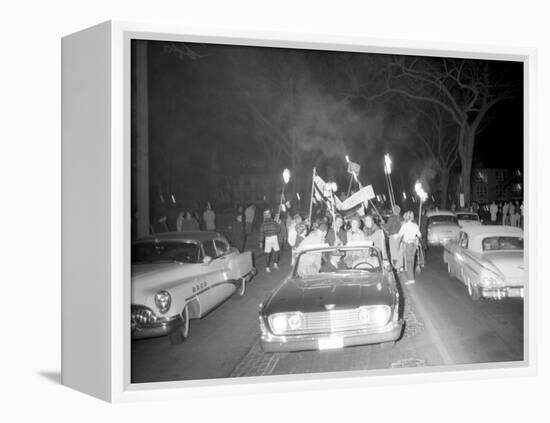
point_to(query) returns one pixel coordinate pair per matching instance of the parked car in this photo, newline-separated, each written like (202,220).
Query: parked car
(179,276)
(466,218)
(334,297)
(442,227)
(488,260)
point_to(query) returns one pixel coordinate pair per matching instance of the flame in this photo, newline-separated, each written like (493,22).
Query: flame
(387,161)
(286,176)
(423,195)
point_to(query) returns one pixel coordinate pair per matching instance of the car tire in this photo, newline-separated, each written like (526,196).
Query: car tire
(450,270)
(242,287)
(473,291)
(182,333)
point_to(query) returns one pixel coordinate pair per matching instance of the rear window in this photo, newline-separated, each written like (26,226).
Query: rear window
(495,243)
(468,216)
(442,218)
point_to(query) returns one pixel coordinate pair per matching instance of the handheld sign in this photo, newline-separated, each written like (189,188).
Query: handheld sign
(360,197)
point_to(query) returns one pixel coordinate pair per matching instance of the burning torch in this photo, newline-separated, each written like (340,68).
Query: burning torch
(422,195)
(387,171)
(286,178)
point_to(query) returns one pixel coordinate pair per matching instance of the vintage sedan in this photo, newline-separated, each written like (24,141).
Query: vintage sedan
(441,227)
(334,297)
(466,218)
(488,260)
(180,276)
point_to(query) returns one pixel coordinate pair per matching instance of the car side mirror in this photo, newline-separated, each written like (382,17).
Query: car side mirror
(207,260)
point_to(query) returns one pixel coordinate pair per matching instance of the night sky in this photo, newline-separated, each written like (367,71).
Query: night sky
(218,101)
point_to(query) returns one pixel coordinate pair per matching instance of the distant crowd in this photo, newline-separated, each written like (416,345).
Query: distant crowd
(497,213)
(400,240)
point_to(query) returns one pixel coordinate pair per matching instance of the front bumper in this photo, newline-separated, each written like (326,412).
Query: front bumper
(160,327)
(274,343)
(502,292)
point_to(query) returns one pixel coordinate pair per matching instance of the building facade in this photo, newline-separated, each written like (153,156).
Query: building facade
(494,184)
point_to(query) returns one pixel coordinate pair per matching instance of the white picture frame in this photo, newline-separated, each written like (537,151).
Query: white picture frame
(96,256)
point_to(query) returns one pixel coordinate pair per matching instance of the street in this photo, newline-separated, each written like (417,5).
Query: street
(443,327)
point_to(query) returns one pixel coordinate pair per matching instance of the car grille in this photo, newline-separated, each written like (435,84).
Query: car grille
(341,321)
(142,316)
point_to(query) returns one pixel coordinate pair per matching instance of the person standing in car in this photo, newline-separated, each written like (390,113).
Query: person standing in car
(376,235)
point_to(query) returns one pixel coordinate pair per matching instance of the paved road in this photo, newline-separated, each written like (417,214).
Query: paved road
(443,326)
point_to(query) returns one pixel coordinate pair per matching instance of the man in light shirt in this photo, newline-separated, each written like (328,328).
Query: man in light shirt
(409,234)
(494,212)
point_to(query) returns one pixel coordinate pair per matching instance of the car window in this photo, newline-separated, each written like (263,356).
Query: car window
(464,240)
(209,249)
(166,251)
(495,243)
(222,247)
(442,218)
(468,216)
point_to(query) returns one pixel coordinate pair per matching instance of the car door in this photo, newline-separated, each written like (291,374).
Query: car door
(463,260)
(215,287)
(450,250)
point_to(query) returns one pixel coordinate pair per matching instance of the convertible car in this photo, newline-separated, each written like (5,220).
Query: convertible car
(334,297)
(488,260)
(180,276)
(442,226)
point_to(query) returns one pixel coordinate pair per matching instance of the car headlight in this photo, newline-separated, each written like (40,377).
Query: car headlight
(278,323)
(374,314)
(163,301)
(295,321)
(489,278)
(282,322)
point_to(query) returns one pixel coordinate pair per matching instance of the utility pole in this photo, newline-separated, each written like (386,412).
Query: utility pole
(142,139)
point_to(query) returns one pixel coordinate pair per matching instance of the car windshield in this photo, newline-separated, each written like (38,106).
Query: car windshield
(467,216)
(495,243)
(337,260)
(165,251)
(442,218)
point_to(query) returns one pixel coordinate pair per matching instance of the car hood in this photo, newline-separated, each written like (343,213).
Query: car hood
(148,278)
(507,263)
(315,294)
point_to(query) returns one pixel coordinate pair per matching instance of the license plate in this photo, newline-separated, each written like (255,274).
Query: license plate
(331,343)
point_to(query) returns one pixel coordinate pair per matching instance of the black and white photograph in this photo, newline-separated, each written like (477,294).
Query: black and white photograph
(301,211)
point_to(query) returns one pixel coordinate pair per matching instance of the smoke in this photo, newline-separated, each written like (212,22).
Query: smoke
(331,127)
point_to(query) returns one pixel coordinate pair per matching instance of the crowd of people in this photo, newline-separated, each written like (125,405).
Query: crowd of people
(184,220)
(398,239)
(506,213)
